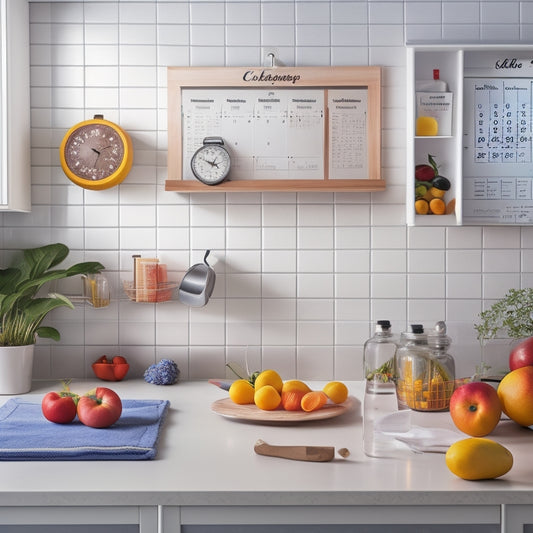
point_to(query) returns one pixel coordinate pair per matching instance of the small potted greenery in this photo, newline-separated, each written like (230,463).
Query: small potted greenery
(510,318)
(22,309)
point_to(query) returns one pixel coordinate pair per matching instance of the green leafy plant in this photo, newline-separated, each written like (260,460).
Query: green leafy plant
(21,310)
(512,315)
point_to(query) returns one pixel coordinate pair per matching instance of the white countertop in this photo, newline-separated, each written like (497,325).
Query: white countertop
(207,459)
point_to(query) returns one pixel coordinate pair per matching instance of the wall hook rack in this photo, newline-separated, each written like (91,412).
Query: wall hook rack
(272,59)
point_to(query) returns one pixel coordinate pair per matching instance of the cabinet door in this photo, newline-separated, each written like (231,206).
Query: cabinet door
(518,519)
(15,168)
(333,519)
(86,519)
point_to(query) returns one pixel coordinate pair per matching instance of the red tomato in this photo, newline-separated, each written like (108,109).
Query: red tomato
(119,360)
(59,407)
(99,408)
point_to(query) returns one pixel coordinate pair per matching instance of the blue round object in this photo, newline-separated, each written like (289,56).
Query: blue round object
(166,372)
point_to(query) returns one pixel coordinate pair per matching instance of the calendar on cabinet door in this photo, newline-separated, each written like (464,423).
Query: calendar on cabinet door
(498,150)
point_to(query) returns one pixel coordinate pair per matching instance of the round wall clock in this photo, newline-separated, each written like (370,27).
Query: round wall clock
(96,154)
(211,162)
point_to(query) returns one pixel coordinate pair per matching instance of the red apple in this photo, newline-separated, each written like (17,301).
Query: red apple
(522,354)
(99,408)
(475,408)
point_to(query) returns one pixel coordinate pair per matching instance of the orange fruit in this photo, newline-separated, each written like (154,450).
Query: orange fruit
(292,400)
(336,391)
(267,398)
(295,385)
(516,395)
(269,377)
(450,207)
(241,392)
(437,206)
(421,207)
(314,400)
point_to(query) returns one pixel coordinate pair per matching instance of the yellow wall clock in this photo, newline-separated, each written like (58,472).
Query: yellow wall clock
(96,154)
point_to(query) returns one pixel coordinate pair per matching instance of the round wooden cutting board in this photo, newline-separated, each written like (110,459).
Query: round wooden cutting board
(226,407)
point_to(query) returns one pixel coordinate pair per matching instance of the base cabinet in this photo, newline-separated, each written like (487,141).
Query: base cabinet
(269,519)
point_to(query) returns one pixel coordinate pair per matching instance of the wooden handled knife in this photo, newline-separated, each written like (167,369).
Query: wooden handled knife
(296,453)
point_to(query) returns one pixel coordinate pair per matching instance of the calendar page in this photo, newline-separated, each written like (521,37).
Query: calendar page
(269,133)
(347,134)
(498,150)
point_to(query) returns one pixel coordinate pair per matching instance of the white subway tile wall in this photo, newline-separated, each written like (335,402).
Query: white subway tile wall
(301,277)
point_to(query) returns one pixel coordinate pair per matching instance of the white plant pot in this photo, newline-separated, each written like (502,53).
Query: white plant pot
(16,369)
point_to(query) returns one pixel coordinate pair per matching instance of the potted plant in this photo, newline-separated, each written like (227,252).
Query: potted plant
(510,318)
(22,309)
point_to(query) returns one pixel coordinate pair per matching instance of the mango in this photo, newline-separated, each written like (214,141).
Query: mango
(478,458)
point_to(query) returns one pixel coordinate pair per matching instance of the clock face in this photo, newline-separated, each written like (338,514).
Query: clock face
(94,151)
(211,164)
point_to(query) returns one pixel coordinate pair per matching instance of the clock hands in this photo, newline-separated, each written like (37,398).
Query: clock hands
(212,163)
(99,153)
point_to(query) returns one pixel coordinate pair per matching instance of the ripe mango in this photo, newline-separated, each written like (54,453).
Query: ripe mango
(478,458)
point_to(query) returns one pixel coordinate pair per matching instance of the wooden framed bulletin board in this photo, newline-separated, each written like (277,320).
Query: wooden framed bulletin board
(285,128)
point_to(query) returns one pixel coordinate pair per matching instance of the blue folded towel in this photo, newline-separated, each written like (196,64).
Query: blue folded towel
(25,435)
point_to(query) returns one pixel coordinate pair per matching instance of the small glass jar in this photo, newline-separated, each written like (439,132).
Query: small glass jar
(425,370)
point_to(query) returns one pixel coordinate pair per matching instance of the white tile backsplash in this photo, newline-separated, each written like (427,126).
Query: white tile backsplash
(301,277)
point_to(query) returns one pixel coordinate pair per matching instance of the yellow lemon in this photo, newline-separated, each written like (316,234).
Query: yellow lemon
(427,126)
(295,385)
(269,377)
(241,392)
(478,458)
(267,398)
(336,391)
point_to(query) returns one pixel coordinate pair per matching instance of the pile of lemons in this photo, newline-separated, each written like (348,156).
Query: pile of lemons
(270,392)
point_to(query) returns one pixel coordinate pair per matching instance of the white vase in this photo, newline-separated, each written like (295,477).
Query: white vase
(16,369)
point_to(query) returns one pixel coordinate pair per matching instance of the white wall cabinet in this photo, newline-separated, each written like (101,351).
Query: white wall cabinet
(15,165)
(421,61)
(492,88)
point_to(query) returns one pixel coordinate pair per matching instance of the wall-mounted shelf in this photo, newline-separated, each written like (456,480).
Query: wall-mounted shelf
(286,128)
(484,79)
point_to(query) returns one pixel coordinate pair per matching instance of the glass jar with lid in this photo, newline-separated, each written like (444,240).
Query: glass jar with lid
(425,370)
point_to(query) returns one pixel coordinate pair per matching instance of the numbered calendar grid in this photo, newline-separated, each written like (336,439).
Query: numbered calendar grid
(503,125)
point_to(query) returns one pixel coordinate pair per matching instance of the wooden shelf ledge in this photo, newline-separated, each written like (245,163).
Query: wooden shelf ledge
(278,185)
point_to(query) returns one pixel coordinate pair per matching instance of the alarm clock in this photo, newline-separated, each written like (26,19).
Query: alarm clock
(96,154)
(211,163)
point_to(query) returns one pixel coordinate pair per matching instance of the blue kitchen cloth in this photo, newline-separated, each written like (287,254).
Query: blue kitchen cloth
(26,435)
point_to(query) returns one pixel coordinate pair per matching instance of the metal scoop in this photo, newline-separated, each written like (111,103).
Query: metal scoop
(197,285)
